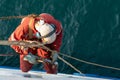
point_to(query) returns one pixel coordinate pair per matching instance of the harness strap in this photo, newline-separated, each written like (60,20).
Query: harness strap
(32,18)
(30,33)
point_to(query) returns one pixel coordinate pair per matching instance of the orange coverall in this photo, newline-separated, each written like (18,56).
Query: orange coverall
(22,33)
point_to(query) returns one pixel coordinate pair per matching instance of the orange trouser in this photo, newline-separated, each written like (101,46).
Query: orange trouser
(25,66)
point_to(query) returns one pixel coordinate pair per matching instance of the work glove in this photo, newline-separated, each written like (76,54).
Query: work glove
(24,50)
(54,56)
(31,58)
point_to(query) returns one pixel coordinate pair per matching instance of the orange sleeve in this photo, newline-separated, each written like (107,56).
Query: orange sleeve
(18,34)
(43,53)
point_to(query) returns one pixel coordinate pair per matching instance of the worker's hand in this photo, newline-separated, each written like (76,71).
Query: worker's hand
(24,49)
(31,58)
(54,56)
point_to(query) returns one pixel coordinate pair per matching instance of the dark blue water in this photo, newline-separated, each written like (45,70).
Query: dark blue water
(91,31)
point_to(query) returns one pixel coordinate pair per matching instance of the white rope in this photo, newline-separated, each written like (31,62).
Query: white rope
(11,17)
(83,61)
(70,65)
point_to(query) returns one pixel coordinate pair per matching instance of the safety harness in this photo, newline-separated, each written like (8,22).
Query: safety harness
(30,33)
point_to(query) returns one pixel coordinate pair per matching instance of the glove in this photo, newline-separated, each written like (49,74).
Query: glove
(24,50)
(54,56)
(31,58)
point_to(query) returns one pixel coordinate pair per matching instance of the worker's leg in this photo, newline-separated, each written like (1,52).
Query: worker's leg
(50,68)
(25,66)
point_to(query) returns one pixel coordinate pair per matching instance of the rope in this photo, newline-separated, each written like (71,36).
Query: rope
(16,17)
(31,44)
(8,54)
(83,61)
(11,17)
(64,60)
(70,65)
(44,47)
(99,65)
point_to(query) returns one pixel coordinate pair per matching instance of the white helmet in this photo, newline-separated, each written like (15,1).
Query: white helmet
(47,33)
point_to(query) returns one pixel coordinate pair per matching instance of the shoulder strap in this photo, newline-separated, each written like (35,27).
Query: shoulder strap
(30,33)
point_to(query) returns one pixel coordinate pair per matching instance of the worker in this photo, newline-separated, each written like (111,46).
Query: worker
(43,28)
